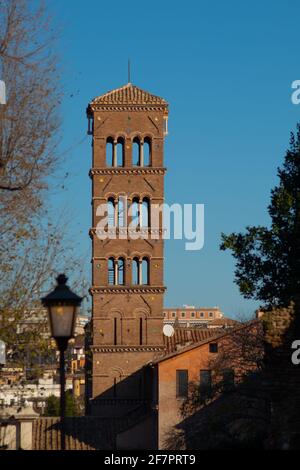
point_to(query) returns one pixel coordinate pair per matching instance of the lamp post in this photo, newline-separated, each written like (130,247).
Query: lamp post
(62,305)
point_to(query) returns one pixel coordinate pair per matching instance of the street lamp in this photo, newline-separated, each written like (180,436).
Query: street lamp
(62,305)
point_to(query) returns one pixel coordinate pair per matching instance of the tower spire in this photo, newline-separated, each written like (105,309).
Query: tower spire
(129,71)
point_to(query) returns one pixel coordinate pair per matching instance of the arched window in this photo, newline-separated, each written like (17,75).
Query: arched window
(109,151)
(122,212)
(135,271)
(120,152)
(145,271)
(147,151)
(121,271)
(141,330)
(115,331)
(136,151)
(135,212)
(145,213)
(111,271)
(111,212)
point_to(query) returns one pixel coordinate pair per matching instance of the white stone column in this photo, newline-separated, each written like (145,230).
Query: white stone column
(142,153)
(115,153)
(140,274)
(25,419)
(116,276)
(140,213)
(116,212)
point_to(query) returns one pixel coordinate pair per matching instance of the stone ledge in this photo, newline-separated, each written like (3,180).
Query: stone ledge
(127,290)
(122,349)
(128,171)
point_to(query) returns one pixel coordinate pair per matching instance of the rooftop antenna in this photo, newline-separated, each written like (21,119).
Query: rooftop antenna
(129,71)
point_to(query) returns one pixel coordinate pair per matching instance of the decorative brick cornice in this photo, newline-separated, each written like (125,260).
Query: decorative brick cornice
(127,171)
(127,290)
(155,234)
(128,107)
(122,349)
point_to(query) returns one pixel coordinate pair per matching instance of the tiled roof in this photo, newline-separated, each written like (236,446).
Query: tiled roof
(79,341)
(128,95)
(188,336)
(186,339)
(223,322)
(86,432)
(82,433)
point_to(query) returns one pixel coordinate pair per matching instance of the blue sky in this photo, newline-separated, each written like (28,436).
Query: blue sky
(226,69)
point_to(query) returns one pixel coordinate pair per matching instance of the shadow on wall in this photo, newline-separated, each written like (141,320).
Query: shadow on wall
(126,394)
(262,411)
(128,422)
(235,419)
(82,433)
(123,417)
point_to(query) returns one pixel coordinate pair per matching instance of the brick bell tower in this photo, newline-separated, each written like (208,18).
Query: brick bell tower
(128,126)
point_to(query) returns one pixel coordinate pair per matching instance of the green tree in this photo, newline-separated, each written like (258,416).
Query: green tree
(53,407)
(268,259)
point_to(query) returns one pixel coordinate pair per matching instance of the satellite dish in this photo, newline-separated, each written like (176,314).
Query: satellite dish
(168,330)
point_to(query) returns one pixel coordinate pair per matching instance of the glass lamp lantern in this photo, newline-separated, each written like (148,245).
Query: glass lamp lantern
(62,305)
(62,320)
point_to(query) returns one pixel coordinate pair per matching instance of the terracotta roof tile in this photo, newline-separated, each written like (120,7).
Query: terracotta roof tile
(223,322)
(128,95)
(79,341)
(82,433)
(186,337)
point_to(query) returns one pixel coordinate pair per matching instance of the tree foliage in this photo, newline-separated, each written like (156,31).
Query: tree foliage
(268,259)
(33,246)
(53,406)
(29,120)
(28,268)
